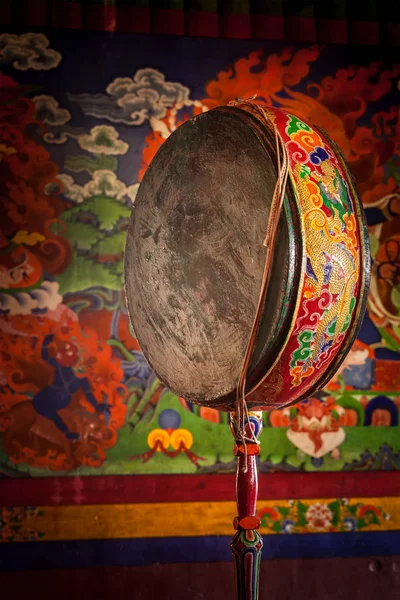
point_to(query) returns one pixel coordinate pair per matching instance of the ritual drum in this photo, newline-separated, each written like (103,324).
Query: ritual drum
(246,274)
(195,258)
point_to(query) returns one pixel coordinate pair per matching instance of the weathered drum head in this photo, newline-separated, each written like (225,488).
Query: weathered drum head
(194,256)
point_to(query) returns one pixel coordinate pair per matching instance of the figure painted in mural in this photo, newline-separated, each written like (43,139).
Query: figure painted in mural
(316,429)
(63,356)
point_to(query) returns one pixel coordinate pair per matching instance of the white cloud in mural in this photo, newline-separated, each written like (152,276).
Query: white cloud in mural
(49,111)
(103,139)
(71,190)
(135,100)
(41,299)
(106,183)
(28,51)
(60,136)
(161,127)
(103,182)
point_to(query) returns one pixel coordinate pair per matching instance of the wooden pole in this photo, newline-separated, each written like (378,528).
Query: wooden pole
(247,543)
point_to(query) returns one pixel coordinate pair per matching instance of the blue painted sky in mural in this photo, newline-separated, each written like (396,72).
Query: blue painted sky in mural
(95,59)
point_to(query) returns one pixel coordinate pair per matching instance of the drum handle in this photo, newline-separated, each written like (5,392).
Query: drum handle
(242,413)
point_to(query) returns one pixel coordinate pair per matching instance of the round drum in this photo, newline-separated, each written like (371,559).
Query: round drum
(194,259)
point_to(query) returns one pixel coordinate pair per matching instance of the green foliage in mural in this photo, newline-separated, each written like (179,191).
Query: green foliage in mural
(96,229)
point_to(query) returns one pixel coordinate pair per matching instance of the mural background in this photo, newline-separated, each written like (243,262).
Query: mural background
(77,396)
(81,115)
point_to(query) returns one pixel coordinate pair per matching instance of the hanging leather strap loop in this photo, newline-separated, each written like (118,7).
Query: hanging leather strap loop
(269,241)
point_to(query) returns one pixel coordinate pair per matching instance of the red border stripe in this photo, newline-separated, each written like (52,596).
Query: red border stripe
(131,19)
(101,18)
(201,23)
(332,31)
(137,19)
(267,27)
(66,15)
(365,32)
(132,489)
(300,29)
(168,21)
(235,26)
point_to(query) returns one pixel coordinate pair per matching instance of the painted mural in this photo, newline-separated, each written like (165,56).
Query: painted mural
(81,116)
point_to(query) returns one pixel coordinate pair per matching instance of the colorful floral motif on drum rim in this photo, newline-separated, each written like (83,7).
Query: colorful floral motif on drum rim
(332,262)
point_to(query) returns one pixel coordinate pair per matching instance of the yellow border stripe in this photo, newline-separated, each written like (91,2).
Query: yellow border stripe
(182,519)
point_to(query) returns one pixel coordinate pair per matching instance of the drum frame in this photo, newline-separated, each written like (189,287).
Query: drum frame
(246,423)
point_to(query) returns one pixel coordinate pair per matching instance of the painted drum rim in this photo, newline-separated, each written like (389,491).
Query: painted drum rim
(361,296)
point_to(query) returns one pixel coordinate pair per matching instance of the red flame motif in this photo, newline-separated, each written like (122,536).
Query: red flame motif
(26,172)
(336,104)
